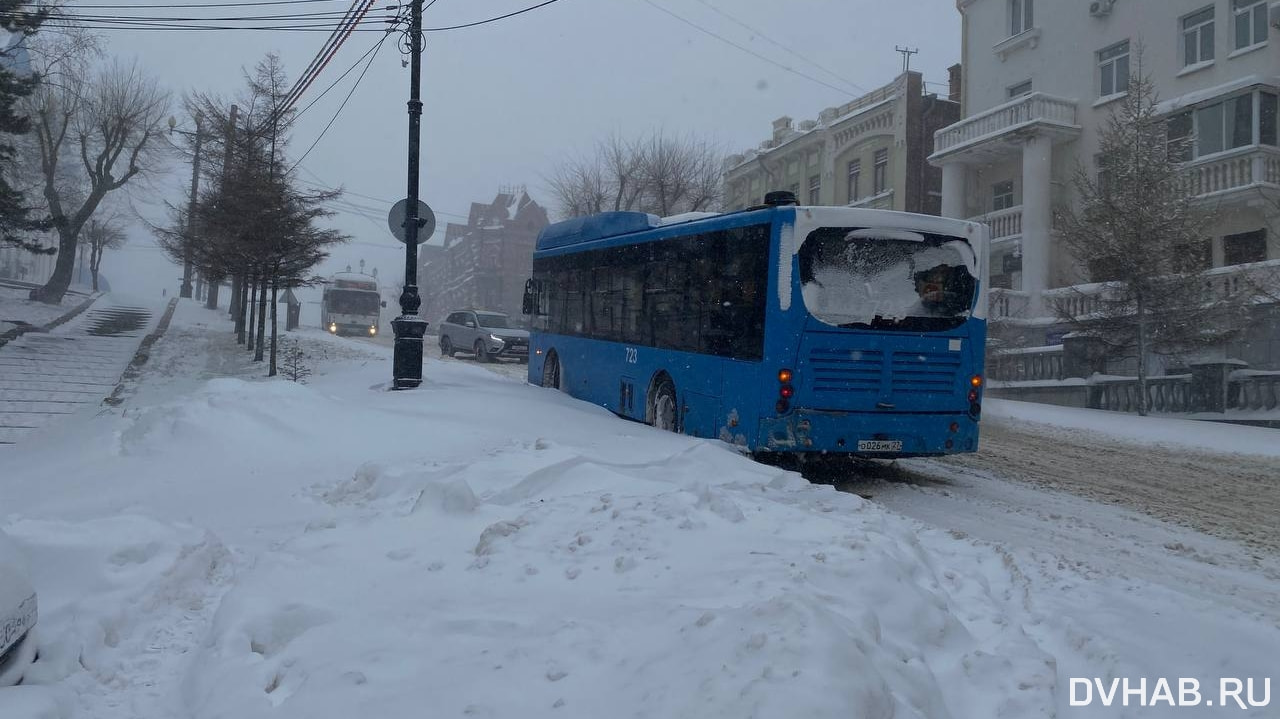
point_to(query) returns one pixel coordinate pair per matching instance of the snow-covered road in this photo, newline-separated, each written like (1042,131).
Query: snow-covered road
(223,546)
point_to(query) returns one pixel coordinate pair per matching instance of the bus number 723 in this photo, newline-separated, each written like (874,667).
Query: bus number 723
(632,357)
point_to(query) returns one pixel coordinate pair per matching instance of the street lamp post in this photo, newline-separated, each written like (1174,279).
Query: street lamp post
(188,246)
(408,327)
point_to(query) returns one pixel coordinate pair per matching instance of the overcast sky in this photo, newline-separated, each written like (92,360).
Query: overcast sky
(505,102)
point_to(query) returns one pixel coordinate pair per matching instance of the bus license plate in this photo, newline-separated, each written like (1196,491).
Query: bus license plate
(870,445)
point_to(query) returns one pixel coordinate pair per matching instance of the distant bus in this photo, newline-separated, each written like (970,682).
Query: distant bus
(351,305)
(787,331)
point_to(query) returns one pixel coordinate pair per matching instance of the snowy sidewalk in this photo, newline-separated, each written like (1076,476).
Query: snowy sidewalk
(47,376)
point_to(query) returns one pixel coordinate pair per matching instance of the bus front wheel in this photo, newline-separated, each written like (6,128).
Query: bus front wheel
(664,411)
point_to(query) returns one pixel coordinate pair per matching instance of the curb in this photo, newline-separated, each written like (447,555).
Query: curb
(17,332)
(141,356)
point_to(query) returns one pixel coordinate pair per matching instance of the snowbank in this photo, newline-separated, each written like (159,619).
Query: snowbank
(266,548)
(1159,432)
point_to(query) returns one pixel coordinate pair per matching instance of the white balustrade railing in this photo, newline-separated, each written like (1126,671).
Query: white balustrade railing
(1036,107)
(1003,223)
(1231,171)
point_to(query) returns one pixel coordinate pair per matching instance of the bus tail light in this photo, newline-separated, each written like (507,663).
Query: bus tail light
(785,390)
(973,395)
(955,427)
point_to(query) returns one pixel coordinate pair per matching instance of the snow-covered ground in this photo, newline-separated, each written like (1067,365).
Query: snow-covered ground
(228,546)
(16,309)
(46,377)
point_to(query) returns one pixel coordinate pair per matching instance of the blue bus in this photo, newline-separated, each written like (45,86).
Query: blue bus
(790,332)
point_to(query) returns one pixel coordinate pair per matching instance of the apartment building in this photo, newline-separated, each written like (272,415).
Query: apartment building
(484,263)
(870,152)
(1039,81)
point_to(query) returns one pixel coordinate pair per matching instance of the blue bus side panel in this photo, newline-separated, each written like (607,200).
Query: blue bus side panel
(596,371)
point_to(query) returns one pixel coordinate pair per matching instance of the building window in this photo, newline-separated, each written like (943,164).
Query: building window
(1022,14)
(1245,248)
(1197,37)
(1181,144)
(1002,196)
(1022,88)
(1224,126)
(815,189)
(881,178)
(855,179)
(1251,22)
(1268,103)
(1114,63)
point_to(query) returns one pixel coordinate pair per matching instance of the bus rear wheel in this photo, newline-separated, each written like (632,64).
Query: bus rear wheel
(551,376)
(664,412)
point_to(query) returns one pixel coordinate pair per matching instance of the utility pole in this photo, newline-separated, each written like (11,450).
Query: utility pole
(189,245)
(906,56)
(408,327)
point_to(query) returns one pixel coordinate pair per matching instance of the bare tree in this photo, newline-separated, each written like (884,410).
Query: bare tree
(659,173)
(102,234)
(103,123)
(1138,231)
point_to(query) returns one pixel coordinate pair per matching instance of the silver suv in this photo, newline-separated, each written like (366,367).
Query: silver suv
(487,335)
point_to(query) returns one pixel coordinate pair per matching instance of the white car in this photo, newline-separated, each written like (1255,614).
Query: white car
(17,614)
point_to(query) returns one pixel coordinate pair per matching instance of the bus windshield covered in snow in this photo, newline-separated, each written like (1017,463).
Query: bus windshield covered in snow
(784,330)
(351,305)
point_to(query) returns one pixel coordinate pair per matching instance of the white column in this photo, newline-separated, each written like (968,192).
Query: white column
(1037,220)
(953,190)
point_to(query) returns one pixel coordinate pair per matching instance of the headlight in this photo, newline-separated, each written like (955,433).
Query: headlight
(497,339)
(373,330)
(333,327)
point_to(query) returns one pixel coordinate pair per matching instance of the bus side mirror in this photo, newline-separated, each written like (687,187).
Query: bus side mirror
(530,304)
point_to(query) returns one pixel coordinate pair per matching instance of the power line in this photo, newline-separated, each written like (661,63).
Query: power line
(492,19)
(306,16)
(784,46)
(136,6)
(327,51)
(334,84)
(747,50)
(344,101)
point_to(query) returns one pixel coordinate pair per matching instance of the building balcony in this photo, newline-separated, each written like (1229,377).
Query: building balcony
(1004,224)
(1239,172)
(997,134)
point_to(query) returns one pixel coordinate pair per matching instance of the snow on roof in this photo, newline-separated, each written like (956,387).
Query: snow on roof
(1209,93)
(819,126)
(686,217)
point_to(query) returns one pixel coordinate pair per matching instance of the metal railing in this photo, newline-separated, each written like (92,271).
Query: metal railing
(1036,107)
